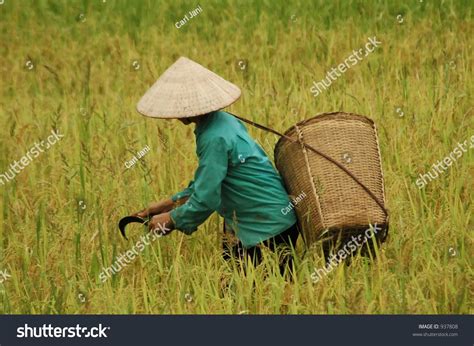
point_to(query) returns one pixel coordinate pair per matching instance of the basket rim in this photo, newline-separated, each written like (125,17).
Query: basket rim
(322,117)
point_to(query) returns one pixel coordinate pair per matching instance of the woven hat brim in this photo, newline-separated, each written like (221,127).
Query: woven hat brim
(187,89)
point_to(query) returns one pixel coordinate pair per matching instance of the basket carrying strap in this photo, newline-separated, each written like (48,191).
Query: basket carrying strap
(307,146)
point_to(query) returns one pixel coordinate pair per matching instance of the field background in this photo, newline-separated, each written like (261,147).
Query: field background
(81,67)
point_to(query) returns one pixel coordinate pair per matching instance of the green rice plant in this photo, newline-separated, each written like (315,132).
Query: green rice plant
(81,67)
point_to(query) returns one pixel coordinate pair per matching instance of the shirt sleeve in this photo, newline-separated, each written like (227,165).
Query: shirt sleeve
(184,193)
(206,194)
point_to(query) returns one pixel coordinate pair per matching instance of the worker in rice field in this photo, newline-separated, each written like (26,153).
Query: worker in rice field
(234,177)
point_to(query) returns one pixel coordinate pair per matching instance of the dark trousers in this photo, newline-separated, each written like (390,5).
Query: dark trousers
(282,243)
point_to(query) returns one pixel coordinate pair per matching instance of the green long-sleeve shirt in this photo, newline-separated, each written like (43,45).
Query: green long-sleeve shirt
(236,179)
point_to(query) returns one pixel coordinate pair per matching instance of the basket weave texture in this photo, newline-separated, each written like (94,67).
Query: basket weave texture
(333,200)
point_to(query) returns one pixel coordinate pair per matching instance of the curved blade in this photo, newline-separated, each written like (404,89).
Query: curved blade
(129,219)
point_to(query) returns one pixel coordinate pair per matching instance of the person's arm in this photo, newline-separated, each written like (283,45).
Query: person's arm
(162,206)
(206,195)
(155,208)
(184,193)
(166,205)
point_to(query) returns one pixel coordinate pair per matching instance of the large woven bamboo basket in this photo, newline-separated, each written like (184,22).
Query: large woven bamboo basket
(325,197)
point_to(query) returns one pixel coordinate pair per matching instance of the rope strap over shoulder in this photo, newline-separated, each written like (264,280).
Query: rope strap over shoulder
(307,146)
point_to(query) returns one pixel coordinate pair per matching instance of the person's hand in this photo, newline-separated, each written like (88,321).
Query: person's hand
(143,213)
(161,224)
(160,207)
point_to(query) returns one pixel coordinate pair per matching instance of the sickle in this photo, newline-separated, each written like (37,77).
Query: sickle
(129,219)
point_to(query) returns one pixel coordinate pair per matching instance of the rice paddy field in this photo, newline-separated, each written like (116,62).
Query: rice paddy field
(80,67)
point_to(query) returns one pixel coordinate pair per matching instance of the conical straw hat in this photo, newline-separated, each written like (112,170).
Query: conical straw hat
(187,89)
